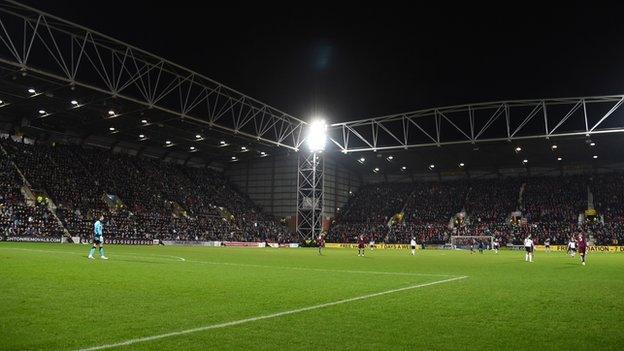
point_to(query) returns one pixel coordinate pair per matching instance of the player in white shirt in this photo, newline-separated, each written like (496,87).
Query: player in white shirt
(413,245)
(547,244)
(528,247)
(496,245)
(572,247)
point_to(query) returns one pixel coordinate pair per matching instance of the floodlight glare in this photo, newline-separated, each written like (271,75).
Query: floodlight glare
(317,135)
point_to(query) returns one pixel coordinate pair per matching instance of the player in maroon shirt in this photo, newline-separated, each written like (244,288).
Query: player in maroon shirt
(320,243)
(361,245)
(582,247)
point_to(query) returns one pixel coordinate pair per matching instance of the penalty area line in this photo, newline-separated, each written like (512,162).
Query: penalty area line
(267,316)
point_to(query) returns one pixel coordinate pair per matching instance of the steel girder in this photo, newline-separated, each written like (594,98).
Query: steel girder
(37,42)
(310,194)
(483,122)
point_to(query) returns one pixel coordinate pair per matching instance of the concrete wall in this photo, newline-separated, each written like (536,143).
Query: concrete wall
(271,182)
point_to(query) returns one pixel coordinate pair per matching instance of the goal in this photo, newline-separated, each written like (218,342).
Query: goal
(463,242)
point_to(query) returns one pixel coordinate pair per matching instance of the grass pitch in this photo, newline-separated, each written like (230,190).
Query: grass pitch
(179,298)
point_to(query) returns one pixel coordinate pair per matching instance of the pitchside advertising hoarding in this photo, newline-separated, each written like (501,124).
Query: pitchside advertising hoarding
(562,248)
(592,248)
(32,239)
(377,246)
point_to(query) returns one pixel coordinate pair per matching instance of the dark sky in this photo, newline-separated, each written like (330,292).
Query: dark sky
(359,62)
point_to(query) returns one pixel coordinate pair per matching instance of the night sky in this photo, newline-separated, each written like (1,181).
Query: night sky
(348,63)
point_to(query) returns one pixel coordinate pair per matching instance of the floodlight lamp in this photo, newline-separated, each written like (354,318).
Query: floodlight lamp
(317,135)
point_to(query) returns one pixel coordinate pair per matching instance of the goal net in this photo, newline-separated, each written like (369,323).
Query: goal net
(466,241)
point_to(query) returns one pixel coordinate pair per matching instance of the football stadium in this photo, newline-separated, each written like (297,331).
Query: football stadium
(448,182)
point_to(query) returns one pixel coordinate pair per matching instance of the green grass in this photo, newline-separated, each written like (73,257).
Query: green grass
(53,298)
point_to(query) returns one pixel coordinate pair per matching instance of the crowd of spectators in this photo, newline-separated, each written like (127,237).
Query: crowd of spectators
(506,208)
(140,198)
(17,218)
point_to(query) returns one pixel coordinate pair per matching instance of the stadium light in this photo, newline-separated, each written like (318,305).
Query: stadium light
(559,159)
(592,144)
(431,166)
(198,136)
(1,102)
(192,148)
(317,135)
(144,121)
(376,169)
(362,160)
(32,91)
(74,102)
(595,157)
(112,129)
(243,148)
(525,161)
(518,149)
(554,147)
(141,136)
(403,168)
(111,113)
(461,164)
(42,112)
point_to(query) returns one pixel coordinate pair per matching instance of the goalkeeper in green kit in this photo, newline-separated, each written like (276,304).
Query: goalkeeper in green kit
(98,239)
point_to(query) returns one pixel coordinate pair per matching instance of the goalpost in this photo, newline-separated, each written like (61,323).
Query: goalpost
(464,241)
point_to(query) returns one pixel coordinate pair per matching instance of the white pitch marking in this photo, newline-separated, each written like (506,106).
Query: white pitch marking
(130,254)
(321,269)
(267,316)
(181,259)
